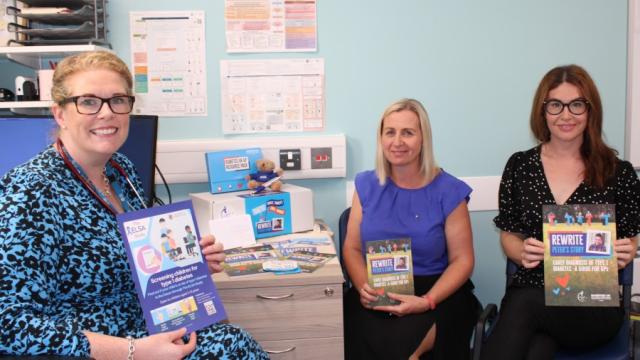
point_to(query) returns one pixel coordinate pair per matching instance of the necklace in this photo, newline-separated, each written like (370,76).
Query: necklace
(107,185)
(84,181)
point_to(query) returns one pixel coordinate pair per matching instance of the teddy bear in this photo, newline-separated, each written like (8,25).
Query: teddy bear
(266,171)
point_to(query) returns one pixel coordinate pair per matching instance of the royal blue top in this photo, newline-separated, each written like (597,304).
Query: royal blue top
(390,212)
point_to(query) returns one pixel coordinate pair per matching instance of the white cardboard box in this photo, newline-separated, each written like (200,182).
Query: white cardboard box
(295,217)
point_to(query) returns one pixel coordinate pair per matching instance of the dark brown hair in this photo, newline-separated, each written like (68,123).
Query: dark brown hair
(599,159)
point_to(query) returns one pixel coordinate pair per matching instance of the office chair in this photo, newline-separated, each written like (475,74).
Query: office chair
(342,234)
(620,347)
(487,313)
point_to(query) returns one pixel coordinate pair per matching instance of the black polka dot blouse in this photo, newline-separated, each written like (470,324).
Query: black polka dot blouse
(524,189)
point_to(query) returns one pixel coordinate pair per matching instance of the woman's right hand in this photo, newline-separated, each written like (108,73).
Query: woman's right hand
(532,253)
(367,295)
(168,345)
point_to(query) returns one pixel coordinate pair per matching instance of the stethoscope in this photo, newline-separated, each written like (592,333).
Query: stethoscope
(63,154)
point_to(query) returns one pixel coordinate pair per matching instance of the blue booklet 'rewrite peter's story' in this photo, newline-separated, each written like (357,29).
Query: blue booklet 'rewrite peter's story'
(170,272)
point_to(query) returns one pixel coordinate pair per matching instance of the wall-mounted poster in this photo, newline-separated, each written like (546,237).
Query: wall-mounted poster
(168,62)
(271,25)
(263,96)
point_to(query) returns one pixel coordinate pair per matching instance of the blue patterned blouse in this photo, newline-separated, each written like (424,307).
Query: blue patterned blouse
(63,267)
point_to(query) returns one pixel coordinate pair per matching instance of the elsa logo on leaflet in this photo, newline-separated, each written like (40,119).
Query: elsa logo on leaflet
(136,230)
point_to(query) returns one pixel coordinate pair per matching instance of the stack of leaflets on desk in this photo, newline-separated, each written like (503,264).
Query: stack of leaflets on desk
(389,268)
(248,260)
(171,276)
(312,242)
(310,261)
(580,267)
(311,250)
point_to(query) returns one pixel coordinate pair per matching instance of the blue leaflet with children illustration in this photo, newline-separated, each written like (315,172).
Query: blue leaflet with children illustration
(172,278)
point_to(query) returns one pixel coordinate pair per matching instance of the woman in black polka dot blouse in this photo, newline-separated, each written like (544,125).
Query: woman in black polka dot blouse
(571,165)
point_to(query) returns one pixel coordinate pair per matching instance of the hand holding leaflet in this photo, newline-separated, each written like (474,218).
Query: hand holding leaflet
(170,271)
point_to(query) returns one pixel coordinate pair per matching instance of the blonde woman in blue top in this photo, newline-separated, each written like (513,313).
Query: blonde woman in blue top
(408,195)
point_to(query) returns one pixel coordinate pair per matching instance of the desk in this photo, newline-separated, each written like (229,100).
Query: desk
(295,316)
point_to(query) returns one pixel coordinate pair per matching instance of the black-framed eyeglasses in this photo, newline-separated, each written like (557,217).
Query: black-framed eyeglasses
(91,105)
(576,107)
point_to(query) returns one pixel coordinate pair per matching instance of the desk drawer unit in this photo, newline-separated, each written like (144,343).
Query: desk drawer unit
(305,349)
(306,320)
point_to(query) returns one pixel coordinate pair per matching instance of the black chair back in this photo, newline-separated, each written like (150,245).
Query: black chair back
(342,235)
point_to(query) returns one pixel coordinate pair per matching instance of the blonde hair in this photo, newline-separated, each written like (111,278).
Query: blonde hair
(91,60)
(428,165)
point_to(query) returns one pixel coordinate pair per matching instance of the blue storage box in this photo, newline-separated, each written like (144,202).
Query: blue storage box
(227,169)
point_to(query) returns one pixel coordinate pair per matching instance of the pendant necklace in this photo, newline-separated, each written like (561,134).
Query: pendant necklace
(107,184)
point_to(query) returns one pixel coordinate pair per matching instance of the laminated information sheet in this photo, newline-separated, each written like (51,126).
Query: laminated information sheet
(169,63)
(271,25)
(264,96)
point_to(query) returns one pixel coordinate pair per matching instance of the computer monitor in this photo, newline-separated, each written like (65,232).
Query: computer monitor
(22,137)
(140,148)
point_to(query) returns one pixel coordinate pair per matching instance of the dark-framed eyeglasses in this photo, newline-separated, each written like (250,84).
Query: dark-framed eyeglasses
(576,107)
(91,105)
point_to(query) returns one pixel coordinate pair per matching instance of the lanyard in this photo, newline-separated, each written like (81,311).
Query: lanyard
(60,148)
